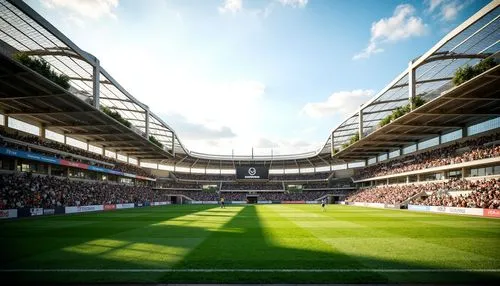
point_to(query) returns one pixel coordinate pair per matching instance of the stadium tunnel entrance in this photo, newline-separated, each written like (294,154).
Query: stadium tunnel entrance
(252,199)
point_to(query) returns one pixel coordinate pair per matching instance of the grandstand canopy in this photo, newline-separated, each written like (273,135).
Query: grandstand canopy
(429,77)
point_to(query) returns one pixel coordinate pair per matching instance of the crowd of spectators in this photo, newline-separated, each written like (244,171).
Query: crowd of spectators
(71,151)
(261,196)
(232,177)
(386,194)
(484,194)
(204,177)
(252,186)
(299,177)
(20,190)
(468,150)
(178,185)
(195,195)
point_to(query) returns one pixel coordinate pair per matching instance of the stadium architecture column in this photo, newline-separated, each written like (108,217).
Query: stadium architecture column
(465,132)
(360,117)
(147,123)
(332,143)
(41,130)
(173,144)
(96,83)
(411,84)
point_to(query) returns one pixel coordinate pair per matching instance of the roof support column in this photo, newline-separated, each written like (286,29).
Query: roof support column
(6,121)
(411,85)
(332,147)
(173,144)
(95,83)
(147,123)
(360,117)
(465,132)
(103,151)
(41,131)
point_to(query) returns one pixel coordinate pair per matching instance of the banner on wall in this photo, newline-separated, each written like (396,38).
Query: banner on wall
(82,209)
(370,205)
(491,212)
(449,210)
(109,207)
(125,206)
(53,160)
(237,202)
(10,213)
(36,211)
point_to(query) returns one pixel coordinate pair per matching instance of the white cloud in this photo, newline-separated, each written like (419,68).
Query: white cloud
(402,25)
(191,130)
(232,6)
(93,9)
(368,51)
(433,4)
(342,103)
(294,3)
(448,9)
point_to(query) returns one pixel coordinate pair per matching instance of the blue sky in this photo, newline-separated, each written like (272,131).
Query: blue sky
(237,74)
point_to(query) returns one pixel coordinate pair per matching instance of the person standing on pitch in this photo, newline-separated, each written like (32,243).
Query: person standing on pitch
(323,203)
(222,203)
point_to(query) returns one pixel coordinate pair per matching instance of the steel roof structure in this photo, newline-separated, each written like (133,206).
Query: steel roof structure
(427,76)
(75,113)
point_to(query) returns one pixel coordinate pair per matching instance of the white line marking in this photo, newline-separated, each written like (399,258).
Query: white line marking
(251,270)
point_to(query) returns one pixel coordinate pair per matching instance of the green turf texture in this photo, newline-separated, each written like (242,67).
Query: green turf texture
(252,237)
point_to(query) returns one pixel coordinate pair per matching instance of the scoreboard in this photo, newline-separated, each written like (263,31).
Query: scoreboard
(252,173)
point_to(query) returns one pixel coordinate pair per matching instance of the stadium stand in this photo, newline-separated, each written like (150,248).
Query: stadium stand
(61,150)
(459,152)
(299,177)
(202,177)
(20,190)
(483,194)
(273,186)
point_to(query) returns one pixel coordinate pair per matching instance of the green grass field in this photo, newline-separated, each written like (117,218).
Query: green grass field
(252,244)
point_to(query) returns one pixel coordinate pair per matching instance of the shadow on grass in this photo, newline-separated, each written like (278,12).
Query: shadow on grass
(199,238)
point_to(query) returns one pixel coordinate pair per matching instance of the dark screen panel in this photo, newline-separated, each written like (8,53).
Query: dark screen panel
(252,173)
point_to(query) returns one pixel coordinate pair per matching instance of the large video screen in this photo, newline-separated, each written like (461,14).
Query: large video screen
(252,173)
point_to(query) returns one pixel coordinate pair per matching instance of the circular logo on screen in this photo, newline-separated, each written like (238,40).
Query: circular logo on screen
(252,171)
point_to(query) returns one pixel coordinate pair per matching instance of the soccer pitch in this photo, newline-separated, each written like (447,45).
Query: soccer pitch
(252,244)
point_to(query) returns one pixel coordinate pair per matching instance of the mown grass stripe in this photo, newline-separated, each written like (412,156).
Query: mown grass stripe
(253,270)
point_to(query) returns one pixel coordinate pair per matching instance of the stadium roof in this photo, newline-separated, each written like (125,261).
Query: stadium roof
(475,39)
(76,113)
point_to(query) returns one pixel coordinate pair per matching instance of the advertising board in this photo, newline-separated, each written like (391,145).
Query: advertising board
(10,213)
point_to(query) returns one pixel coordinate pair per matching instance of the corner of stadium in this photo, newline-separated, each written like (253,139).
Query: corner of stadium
(95,188)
